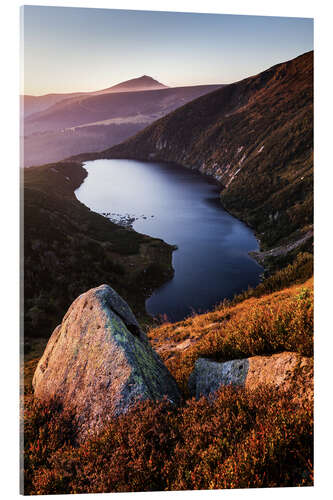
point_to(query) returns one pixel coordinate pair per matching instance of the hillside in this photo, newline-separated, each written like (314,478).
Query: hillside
(79,123)
(69,249)
(33,104)
(254,136)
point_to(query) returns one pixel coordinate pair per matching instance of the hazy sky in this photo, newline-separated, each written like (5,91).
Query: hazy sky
(77,49)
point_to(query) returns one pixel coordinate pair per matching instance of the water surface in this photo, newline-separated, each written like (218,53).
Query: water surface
(182,207)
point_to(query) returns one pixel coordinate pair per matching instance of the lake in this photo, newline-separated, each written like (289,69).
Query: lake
(182,207)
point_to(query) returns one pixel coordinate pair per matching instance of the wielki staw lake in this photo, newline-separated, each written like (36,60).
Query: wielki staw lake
(182,207)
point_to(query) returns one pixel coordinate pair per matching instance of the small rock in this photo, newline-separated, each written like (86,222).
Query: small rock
(287,370)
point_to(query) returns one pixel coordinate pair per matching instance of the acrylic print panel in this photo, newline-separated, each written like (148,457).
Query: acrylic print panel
(168,251)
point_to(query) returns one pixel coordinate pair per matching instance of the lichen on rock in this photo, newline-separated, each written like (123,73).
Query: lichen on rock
(99,362)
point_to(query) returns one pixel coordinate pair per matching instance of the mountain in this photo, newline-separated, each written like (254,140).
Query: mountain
(142,83)
(33,104)
(255,137)
(124,106)
(95,121)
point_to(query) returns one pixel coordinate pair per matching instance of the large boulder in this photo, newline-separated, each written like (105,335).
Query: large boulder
(286,370)
(98,362)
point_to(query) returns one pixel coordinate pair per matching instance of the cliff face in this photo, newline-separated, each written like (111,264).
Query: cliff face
(255,137)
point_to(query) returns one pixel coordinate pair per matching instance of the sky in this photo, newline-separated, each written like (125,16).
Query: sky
(79,49)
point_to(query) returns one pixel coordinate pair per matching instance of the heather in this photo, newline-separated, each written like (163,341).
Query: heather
(276,322)
(238,440)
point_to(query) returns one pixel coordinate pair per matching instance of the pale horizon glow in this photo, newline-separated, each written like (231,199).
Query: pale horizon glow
(69,49)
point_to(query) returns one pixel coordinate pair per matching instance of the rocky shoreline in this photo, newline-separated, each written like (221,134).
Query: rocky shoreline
(281,250)
(125,220)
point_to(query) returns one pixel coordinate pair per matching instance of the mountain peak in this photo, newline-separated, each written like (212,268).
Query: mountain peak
(144,82)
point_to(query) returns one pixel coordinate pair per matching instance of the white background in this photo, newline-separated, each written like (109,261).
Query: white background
(10,235)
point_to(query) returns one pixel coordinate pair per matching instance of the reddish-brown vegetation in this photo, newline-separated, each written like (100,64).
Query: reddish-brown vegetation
(281,321)
(239,440)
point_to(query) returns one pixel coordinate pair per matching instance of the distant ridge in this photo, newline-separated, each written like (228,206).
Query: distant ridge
(143,82)
(33,104)
(57,126)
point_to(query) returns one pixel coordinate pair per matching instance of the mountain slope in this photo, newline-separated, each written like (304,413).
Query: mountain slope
(256,137)
(34,104)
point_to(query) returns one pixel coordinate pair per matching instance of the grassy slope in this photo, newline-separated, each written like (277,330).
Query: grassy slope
(281,321)
(256,137)
(69,249)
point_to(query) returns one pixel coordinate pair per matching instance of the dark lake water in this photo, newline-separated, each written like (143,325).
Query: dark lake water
(182,207)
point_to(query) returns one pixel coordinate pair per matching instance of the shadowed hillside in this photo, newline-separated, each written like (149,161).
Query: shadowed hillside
(69,249)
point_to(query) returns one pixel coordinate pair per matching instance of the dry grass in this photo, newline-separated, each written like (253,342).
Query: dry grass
(280,321)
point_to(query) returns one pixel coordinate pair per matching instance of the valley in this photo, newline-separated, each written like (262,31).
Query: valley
(226,392)
(181,207)
(277,206)
(256,138)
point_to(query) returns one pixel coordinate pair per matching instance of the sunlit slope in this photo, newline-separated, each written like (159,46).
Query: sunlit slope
(272,323)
